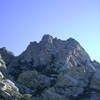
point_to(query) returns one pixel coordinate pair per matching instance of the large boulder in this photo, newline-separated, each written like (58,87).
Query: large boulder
(8,90)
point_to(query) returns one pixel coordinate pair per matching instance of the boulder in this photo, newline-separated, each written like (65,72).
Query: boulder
(8,90)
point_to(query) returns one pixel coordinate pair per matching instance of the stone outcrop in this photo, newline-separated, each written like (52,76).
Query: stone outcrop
(7,56)
(8,90)
(52,69)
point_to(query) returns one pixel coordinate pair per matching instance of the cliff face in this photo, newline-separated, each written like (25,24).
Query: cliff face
(42,53)
(53,69)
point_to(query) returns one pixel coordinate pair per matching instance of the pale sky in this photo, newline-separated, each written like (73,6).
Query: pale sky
(23,21)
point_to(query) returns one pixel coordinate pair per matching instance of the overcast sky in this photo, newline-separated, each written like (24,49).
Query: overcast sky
(22,21)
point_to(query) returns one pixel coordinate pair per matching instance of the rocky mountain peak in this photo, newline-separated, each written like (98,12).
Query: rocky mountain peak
(65,52)
(48,70)
(47,39)
(72,42)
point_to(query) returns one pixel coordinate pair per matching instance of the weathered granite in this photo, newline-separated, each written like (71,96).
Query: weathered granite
(51,69)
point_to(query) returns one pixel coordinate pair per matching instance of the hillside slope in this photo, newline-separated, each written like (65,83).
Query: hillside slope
(52,69)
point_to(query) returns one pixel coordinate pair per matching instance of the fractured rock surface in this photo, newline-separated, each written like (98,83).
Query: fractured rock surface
(52,69)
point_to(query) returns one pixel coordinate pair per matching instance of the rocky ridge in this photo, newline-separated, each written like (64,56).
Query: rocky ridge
(52,69)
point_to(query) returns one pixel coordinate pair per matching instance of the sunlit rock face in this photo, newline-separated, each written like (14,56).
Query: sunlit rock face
(68,53)
(8,90)
(3,68)
(52,69)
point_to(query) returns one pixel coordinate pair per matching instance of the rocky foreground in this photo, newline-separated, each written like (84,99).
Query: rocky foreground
(49,70)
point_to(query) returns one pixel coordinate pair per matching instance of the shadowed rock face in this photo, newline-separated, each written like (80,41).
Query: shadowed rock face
(7,56)
(53,69)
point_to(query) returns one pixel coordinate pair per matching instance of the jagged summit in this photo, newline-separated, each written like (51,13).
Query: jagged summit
(42,52)
(48,70)
(47,38)
(72,41)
